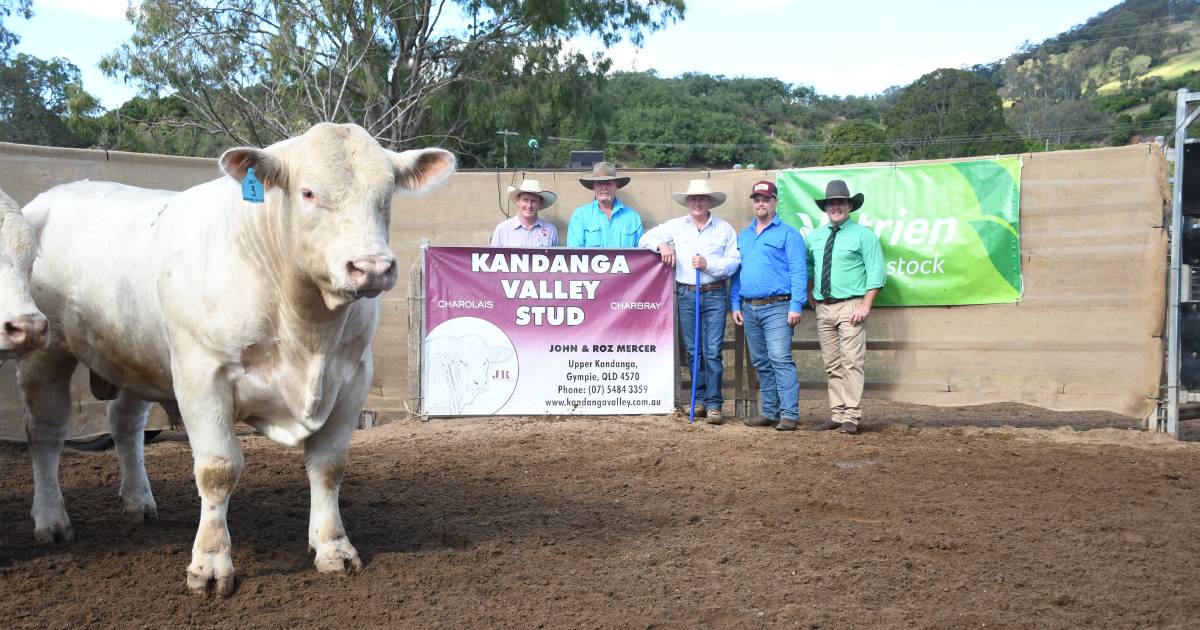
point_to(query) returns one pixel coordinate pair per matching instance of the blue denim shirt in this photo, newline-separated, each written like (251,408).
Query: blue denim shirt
(774,262)
(590,228)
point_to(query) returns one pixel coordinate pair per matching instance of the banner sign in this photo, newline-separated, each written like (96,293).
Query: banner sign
(949,231)
(547,331)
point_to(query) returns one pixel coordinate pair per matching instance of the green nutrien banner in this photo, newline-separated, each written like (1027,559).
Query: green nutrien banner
(949,231)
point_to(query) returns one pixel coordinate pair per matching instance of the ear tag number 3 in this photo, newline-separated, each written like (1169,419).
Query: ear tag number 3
(252,189)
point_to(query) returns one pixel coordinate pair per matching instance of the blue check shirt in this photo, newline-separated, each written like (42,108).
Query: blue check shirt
(590,228)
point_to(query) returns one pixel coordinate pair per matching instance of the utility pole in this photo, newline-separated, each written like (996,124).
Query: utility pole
(1185,115)
(506,133)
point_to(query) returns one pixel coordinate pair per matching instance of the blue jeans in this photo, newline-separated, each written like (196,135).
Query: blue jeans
(770,340)
(713,307)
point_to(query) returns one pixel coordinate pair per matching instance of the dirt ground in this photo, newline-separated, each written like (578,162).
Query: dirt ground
(933,517)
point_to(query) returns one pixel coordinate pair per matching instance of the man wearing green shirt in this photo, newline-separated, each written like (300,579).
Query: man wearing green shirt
(847,273)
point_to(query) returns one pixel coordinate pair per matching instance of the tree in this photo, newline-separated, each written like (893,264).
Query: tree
(148,125)
(856,141)
(696,119)
(1122,130)
(8,39)
(1059,122)
(949,113)
(261,70)
(43,102)
(1117,67)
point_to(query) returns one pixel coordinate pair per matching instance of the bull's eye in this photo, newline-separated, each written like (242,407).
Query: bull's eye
(308,195)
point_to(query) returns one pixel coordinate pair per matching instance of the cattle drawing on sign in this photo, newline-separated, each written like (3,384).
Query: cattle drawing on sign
(471,368)
(260,312)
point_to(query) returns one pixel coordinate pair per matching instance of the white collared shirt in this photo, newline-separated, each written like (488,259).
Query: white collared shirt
(716,242)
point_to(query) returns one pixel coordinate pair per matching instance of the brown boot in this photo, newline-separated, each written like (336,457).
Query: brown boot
(829,425)
(713,416)
(759,421)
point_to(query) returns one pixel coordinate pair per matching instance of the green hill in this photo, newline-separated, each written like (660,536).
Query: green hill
(1108,80)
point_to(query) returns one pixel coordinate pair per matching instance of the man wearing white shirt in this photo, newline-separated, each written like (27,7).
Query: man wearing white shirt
(701,241)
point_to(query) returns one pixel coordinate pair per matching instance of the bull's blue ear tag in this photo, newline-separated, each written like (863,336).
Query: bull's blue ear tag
(252,189)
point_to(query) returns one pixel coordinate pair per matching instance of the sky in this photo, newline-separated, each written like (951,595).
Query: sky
(838,47)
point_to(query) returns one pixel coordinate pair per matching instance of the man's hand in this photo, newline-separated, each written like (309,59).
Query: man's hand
(793,318)
(668,254)
(698,262)
(737,318)
(860,314)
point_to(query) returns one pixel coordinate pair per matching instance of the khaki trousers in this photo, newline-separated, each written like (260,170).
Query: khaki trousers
(844,350)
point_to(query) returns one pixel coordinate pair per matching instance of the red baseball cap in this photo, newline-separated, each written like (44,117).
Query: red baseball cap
(764,187)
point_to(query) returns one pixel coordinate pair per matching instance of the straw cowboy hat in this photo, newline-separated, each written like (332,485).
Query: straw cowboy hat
(532,186)
(837,189)
(699,187)
(603,172)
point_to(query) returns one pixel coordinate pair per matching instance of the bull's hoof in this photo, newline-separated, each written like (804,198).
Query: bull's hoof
(52,528)
(141,513)
(207,578)
(58,533)
(337,556)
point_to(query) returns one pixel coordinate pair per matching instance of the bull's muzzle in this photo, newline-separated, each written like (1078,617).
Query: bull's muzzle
(372,275)
(26,332)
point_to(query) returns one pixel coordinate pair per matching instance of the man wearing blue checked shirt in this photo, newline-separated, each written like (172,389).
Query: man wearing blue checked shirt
(605,222)
(766,296)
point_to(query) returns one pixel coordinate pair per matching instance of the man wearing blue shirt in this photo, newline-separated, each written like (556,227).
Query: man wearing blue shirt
(767,295)
(605,222)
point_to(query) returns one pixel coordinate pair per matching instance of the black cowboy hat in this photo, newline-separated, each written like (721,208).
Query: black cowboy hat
(837,189)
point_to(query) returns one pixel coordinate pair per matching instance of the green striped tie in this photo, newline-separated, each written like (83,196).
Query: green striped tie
(827,264)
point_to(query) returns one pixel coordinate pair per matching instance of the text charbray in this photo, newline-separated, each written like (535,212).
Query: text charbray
(554,263)
(635,306)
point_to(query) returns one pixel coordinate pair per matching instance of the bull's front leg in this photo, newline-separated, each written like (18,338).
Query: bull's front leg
(206,405)
(45,378)
(325,461)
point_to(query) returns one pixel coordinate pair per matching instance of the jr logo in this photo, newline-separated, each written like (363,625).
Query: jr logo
(501,375)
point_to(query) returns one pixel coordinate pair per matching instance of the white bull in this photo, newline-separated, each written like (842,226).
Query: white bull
(24,326)
(236,311)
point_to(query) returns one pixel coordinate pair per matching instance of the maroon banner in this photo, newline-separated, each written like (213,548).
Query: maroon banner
(547,331)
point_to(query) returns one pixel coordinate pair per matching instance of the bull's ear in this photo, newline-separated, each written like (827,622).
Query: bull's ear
(268,169)
(499,355)
(418,169)
(16,234)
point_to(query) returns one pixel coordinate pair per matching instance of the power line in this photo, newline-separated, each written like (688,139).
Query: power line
(1061,132)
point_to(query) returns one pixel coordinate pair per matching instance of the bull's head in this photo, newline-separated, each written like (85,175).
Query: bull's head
(24,326)
(332,189)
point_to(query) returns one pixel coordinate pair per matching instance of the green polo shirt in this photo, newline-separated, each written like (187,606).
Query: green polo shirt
(857,261)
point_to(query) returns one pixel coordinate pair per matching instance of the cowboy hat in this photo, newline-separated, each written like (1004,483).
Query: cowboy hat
(837,189)
(699,187)
(533,187)
(603,172)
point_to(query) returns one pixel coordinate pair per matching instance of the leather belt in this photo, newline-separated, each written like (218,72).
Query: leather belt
(828,301)
(770,299)
(704,288)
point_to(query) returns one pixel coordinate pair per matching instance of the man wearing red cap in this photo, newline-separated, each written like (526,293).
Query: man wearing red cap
(767,295)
